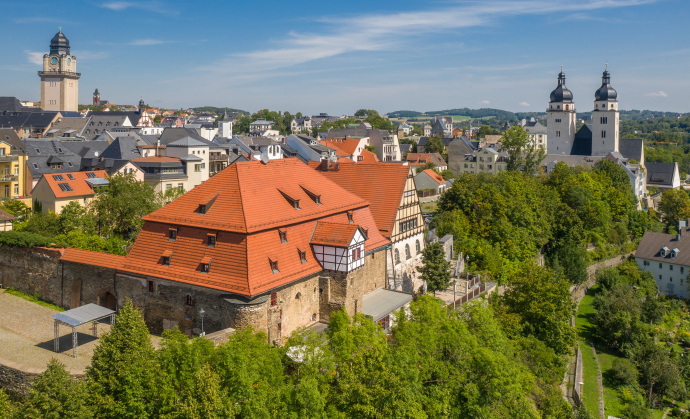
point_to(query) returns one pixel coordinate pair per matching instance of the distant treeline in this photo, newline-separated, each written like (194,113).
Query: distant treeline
(218,111)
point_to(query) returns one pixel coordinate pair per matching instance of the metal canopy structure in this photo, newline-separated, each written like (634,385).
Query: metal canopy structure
(381,302)
(75,318)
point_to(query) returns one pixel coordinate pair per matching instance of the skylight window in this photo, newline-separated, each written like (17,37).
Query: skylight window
(172,234)
(58,177)
(70,176)
(65,187)
(211,240)
(91,175)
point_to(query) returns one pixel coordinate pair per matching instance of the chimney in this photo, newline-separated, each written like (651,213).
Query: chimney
(325,164)
(682,225)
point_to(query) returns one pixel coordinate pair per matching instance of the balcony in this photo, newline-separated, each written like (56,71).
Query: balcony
(68,74)
(5,158)
(9,178)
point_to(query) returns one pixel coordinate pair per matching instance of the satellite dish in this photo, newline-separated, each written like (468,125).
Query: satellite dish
(264,159)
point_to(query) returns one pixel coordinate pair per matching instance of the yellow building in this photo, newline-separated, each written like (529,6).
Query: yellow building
(12,165)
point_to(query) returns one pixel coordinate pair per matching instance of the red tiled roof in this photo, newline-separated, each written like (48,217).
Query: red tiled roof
(333,234)
(89,257)
(246,216)
(424,158)
(382,184)
(78,186)
(434,176)
(368,157)
(347,145)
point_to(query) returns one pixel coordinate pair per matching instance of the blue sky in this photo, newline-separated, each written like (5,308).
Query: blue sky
(337,57)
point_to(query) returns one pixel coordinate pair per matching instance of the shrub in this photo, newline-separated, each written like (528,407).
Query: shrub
(623,373)
(22,239)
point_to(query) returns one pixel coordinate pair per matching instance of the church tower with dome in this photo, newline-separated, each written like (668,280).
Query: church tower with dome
(560,119)
(605,118)
(59,78)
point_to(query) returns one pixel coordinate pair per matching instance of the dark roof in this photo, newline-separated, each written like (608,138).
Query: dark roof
(652,243)
(606,92)
(660,173)
(122,148)
(172,134)
(9,136)
(86,148)
(423,140)
(631,148)
(59,45)
(12,104)
(40,151)
(561,93)
(582,145)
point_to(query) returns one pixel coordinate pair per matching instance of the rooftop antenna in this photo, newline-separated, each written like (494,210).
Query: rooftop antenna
(606,65)
(59,28)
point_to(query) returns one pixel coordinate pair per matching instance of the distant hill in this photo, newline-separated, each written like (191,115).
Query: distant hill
(217,111)
(471,113)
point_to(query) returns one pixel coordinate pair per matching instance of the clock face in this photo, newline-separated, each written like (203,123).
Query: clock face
(53,60)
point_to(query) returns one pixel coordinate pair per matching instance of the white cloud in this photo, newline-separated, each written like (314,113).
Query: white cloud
(151,6)
(524,104)
(143,42)
(485,102)
(385,32)
(658,93)
(34,57)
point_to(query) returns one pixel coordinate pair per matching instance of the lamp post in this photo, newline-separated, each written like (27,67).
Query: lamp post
(201,313)
(455,286)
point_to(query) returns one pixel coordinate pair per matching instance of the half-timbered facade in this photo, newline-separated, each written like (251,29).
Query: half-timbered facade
(390,188)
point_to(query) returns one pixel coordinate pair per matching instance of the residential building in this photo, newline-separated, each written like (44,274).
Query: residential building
(667,258)
(385,143)
(13,158)
(301,125)
(417,160)
(663,175)
(390,189)
(484,160)
(430,184)
(59,78)
(46,157)
(6,221)
(275,246)
(457,150)
(259,148)
(538,134)
(443,127)
(55,191)
(260,125)
(310,149)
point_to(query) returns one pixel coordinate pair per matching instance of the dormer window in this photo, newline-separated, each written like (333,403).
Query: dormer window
(664,251)
(293,201)
(211,240)
(206,265)
(314,196)
(166,257)
(350,217)
(674,253)
(274,266)
(172,234)
(283,236)
(202,209)
(302,256)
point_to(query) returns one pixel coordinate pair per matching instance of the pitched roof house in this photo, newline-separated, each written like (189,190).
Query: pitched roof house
(667,258)
(274,245)
(57,190)
(390,189)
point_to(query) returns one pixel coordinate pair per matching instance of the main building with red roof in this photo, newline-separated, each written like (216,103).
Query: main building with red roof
(275,246)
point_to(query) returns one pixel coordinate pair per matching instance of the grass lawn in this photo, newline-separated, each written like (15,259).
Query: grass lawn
(612,403)
(33,299)
(429,207)
(590,390)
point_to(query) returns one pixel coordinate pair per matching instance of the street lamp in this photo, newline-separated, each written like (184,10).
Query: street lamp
(201,313)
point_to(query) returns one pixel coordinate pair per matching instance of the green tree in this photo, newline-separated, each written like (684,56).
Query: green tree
(76,217)
(362,113)
(205,399)
(523,154)
(54,395)
(434,145)
(119,210)
(16,207)
(7,408)
(435,269)
(674,206)
(540,300)
(123,379)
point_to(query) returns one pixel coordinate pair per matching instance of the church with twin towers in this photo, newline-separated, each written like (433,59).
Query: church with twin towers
(599,138)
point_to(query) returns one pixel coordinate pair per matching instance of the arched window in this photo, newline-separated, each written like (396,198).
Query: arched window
(397,256)
(407,251)
(418,247)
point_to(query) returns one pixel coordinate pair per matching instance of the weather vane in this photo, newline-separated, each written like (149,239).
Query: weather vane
(59,28)
(606,65)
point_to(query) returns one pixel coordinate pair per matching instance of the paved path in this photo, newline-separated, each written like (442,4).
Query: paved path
(26,337)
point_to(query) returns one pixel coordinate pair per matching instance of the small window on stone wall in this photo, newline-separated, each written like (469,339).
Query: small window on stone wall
(152,286)
(189,300)
(298,296)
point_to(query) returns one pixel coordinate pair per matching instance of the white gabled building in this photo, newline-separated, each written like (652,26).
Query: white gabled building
(667,258)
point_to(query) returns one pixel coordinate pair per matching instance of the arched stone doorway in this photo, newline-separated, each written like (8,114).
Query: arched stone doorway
(108,300)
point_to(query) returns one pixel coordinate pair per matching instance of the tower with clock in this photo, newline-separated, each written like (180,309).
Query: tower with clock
(59,78)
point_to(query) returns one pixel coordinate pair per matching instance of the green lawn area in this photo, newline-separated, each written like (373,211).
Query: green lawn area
(457,118)
(590,392)
(429,207)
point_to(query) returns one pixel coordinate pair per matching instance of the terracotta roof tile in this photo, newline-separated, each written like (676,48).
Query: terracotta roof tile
(333,234)
(246,218)
(89,257)
(75,181)
(382,184)
(434,176)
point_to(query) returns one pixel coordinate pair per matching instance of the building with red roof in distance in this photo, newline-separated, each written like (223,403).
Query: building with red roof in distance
(54,191)
(276,246)
(390,189)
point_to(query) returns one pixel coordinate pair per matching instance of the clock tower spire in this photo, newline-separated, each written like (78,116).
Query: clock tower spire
(59,78)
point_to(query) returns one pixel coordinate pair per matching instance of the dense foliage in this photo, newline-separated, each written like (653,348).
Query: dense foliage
(630,317)
(436,363)
(501,220)
(109,223)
